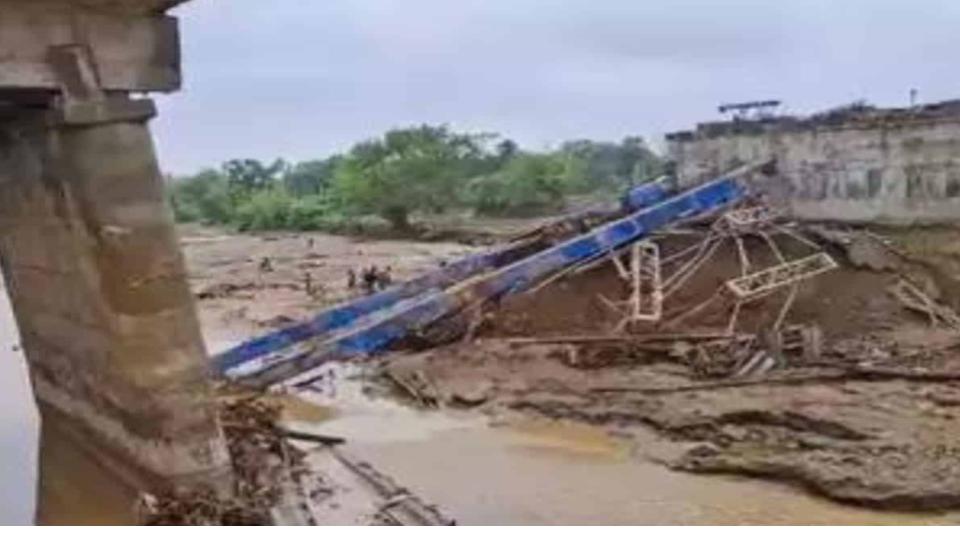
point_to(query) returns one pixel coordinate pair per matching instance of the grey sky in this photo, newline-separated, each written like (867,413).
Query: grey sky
(304,78)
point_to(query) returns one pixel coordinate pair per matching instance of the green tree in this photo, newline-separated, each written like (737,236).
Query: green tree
(248,175)
(266,209)
(612,166)
(203,197)
(311,177)
(505,151)
(406,170)
(637,162)
(529,183)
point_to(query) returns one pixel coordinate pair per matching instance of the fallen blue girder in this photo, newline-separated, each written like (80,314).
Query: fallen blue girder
(347,313)
(645,195)
(376,330)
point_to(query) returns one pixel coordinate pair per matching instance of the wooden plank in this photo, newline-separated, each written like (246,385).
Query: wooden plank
(619,338)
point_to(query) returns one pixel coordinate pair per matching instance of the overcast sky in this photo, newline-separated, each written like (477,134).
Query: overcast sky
(301,79)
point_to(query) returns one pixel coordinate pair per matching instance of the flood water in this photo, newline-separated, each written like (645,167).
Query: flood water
(18,426)
(539,472)
(520,471)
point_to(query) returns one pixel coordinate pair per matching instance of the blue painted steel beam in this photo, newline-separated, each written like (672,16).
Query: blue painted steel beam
(347,313)
(644,195)
(610,237)
(375,332)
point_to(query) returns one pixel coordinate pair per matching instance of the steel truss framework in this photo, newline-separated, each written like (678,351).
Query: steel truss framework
(762,282)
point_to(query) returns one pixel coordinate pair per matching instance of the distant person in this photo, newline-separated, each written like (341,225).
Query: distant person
(266,265)
(351,279)
(385,278)
(308,284)
(370,278)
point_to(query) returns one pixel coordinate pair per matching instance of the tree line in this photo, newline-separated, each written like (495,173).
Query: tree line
(408,172)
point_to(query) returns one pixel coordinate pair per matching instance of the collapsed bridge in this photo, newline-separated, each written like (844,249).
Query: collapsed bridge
(369,325)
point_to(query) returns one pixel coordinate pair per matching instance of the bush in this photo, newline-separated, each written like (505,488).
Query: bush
(528,184)
(417,170)
(310,213)
(408,170)
(204,197)
(264,210)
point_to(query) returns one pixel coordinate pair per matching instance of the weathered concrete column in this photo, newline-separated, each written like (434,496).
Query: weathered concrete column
(87,245)
(98,287)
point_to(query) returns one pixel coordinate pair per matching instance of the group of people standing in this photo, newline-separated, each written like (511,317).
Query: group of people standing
(371,279)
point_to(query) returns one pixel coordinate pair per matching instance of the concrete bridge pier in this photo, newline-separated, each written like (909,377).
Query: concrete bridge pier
(87,244)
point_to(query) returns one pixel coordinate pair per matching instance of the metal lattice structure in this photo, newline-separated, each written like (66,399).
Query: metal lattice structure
(913,298)
(647,286)
(371,332)
(746,220)
(767,280)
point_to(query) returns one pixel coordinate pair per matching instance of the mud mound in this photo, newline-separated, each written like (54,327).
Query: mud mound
(865,421)
(844,303)
(882,443)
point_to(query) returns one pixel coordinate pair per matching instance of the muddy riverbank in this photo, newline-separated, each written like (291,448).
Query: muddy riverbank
(531,410)
(511,467)
(868,421)
(522,436)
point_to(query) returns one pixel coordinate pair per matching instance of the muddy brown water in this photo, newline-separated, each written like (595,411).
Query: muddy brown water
(517,472)
(536,472)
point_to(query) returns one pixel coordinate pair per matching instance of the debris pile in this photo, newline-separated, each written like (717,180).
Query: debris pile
(284,476)
(264,464)
(818,356)
(657,303)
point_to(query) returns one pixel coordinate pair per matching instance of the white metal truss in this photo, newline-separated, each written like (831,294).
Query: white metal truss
(912,297)
(644,276)
(647,286)
(751,216)
(762,282)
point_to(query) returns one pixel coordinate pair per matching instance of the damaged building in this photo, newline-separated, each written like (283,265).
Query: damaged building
(855,163)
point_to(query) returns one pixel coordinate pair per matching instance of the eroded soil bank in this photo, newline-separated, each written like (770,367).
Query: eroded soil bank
(875,441)
(870,421)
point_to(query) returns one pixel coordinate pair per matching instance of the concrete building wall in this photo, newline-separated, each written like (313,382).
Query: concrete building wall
(98,286)
(896,171)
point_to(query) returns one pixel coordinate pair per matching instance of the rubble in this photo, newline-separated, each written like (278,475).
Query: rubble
(264,464)
(763,347)
(278,482)
(764,354)
(913,298)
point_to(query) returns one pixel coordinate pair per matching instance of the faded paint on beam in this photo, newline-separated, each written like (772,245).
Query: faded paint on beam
(373,333)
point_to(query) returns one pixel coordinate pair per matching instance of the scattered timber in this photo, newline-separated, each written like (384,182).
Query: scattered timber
(620,338)
(329,440)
